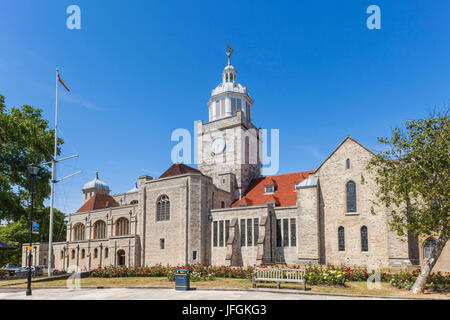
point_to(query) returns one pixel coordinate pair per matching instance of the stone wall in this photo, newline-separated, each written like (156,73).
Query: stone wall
(333,176)
(308,225)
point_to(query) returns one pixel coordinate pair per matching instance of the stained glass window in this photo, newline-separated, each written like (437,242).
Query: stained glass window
(293,233)
(341,239)
(242,232)
(79,231)
(221,233)
(249,232)
(351,196)
(122,227)
(163,208)
(215,233)
(278,232)
(364,239)
(256,230)
(285,232)
(99,230)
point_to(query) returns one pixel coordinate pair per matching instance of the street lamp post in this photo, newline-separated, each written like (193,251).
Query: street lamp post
(33,171)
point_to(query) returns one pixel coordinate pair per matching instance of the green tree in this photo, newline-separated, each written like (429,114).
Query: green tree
(17,233)
(413,177)
(25,138)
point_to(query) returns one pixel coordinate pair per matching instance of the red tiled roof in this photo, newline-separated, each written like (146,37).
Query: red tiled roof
(98,201)
(284,195)
(177,169)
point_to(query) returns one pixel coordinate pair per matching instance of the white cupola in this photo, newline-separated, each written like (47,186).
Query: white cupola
(94,186)
(229,96)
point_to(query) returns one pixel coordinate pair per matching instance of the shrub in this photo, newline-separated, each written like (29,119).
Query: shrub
(317,274)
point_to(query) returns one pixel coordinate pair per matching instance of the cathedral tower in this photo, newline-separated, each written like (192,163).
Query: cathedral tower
(229,145)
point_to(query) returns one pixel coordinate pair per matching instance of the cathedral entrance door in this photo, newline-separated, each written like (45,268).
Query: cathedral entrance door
(121,257)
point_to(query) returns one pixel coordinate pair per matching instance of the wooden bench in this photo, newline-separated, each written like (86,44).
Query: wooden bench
(279,275)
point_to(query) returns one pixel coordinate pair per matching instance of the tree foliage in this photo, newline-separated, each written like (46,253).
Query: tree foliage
(17,232)
(413,175)
(25,138)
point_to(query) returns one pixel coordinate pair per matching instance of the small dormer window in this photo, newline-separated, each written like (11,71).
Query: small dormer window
(269,189)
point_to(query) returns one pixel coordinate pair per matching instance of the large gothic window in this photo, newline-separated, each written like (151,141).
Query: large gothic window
(78,232)
(341,238)
(428,247)
(122,227)
(351,196)
(364,239)
(163,208)
(99,230)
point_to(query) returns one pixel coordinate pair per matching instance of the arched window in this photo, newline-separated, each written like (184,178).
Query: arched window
(163,208)
(78,231)
(347,164)
(351,196)
(83,254)
(121,257)
(99,229)
(95,253)
(341,238)
(428,247)
(122,227)
(106,252)
(364,239)
(73,254)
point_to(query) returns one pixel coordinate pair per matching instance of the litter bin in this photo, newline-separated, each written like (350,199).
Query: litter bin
(182,281)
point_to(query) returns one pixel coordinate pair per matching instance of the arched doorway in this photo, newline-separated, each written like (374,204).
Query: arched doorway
(121,257)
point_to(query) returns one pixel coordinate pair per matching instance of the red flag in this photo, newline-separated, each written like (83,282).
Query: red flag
(60,80)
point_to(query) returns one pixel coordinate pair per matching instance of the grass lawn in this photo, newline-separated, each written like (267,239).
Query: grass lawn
(359,288)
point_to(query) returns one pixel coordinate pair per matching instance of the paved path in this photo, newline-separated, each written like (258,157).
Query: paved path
(162,294)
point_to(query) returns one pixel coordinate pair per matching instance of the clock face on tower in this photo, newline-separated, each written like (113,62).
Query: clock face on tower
(217,145)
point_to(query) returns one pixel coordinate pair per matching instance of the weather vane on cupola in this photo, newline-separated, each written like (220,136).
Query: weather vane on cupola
(230,50)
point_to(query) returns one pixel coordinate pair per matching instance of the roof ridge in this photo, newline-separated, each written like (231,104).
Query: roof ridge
(283,174)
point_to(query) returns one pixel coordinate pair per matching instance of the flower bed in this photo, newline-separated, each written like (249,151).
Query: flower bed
(406,279)
(197,272)
(324,275)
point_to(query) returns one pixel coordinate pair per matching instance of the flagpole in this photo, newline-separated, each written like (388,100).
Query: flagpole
(52,192)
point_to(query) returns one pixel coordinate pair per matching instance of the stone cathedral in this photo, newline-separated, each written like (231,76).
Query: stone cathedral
(227,213)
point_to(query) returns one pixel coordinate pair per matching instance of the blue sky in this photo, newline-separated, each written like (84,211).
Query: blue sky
(137,70)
